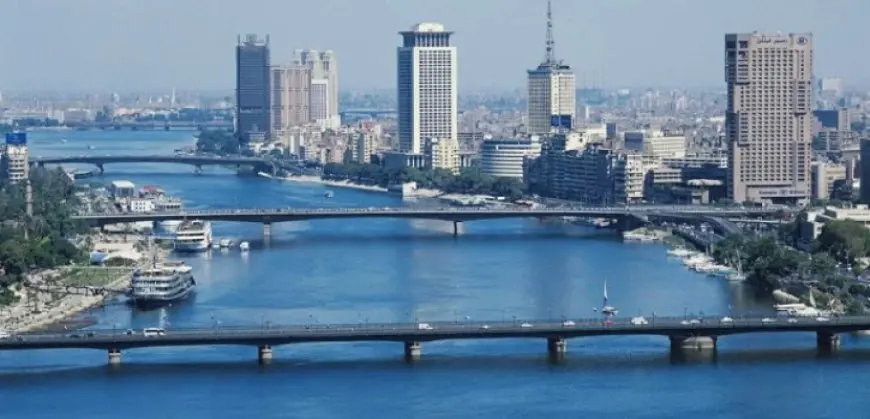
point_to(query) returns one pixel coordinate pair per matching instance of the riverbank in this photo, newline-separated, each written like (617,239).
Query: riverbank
(331,183)
(50,297)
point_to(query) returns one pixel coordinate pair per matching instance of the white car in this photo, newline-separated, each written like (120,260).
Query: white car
(424,326)
(484,327)
(526,325)
(694,321)
(727,319)
(768,320)
(684,322)
(823,319)
(792,320)
(639,321)
(568,323)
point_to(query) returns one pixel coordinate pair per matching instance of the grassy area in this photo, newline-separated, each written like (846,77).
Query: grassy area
(92,277)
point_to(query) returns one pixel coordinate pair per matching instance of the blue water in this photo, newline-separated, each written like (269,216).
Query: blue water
(399,270)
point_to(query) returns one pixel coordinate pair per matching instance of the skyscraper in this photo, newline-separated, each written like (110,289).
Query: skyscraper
(551,90)
(324,86)
(253,93)
(768,120)
(291,88)
(427,87)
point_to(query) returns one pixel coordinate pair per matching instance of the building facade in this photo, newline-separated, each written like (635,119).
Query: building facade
(253,91)
(505,158)
(14,162)
(427,87)
(291,85)
(323,68)
(768,120)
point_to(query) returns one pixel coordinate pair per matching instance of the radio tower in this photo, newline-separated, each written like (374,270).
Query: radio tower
(550,58)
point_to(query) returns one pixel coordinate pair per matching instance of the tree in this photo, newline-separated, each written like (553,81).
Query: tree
(845,240)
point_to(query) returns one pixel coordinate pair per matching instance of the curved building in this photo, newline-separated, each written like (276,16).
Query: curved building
(504,158)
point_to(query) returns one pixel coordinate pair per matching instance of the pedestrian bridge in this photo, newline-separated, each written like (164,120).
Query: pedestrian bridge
(455,214)
(701,333)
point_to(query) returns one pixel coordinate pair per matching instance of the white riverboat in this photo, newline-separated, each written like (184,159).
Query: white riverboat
(161,284)
(167,205)
(193,236)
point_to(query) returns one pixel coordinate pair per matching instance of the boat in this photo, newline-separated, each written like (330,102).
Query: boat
(192,236)
(244,246)
(329,194)
(680,252)
(167,205)
(225,243)
(606,309)
(215,246)
(161,284)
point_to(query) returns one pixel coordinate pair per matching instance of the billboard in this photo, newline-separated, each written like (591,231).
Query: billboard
(16,138)
(561,121)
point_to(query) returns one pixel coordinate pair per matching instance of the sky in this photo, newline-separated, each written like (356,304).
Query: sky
(125,45)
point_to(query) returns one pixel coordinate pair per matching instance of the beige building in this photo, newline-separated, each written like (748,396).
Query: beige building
(768,117)
(323,93)
(365,145)
(656,145)
(291,86)
(442,154)
(551,103)
(823,176)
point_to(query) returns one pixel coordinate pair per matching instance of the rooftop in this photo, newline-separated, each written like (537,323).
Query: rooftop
(123,184)
(427,27)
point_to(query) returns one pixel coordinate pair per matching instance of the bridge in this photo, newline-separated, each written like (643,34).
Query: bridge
(195,160)
(630,217)
(374,113)
(700,333)
(152,125)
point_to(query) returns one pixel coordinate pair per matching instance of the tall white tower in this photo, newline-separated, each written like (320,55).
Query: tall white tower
(427,87)
(551,90)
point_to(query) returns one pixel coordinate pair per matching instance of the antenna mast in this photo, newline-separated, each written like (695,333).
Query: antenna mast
(551,55)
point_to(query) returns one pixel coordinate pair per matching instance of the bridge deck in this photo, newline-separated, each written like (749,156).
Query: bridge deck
(391,332)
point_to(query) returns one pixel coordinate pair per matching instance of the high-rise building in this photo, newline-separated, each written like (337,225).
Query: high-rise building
(864,191)
(291,86)
(253,94)
(14,158)
(323,67)
(768,120)
(427,88)
(551,90)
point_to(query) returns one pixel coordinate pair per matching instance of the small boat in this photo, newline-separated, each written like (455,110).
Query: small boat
(225,243)
(215,246)
(328,194)
(606,309)
(244,246)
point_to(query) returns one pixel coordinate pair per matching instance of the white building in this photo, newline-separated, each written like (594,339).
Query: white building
(551,91)
(427,87)
(140,205)
(504,158)
(15,163)
(323,68)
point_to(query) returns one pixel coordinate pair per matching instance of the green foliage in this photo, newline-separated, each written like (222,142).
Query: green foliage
(217,141)
(766,262)
(845,240)
(46,244)
(469,181)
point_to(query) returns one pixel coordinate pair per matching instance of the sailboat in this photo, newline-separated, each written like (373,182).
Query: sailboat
(606,309)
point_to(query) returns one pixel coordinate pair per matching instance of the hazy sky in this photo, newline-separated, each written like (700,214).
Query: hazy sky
(157,44)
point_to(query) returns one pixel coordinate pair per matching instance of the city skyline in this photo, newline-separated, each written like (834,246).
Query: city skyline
(608,45)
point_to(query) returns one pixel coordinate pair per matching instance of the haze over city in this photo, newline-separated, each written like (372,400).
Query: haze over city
(121,46)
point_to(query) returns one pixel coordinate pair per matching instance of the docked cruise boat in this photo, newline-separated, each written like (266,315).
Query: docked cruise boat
(161,284)
(167,205)
(192,236)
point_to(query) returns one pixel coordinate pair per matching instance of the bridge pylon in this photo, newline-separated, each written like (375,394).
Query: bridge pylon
(100,168)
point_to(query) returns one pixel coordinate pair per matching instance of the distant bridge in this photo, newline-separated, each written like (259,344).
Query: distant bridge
(194,160)
(374,113)
(151,125)
(629,217)
(701,333)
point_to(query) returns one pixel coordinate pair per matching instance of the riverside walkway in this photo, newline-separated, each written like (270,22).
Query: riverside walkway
(683,334)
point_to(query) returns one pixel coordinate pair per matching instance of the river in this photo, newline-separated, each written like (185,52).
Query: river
(329,271)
